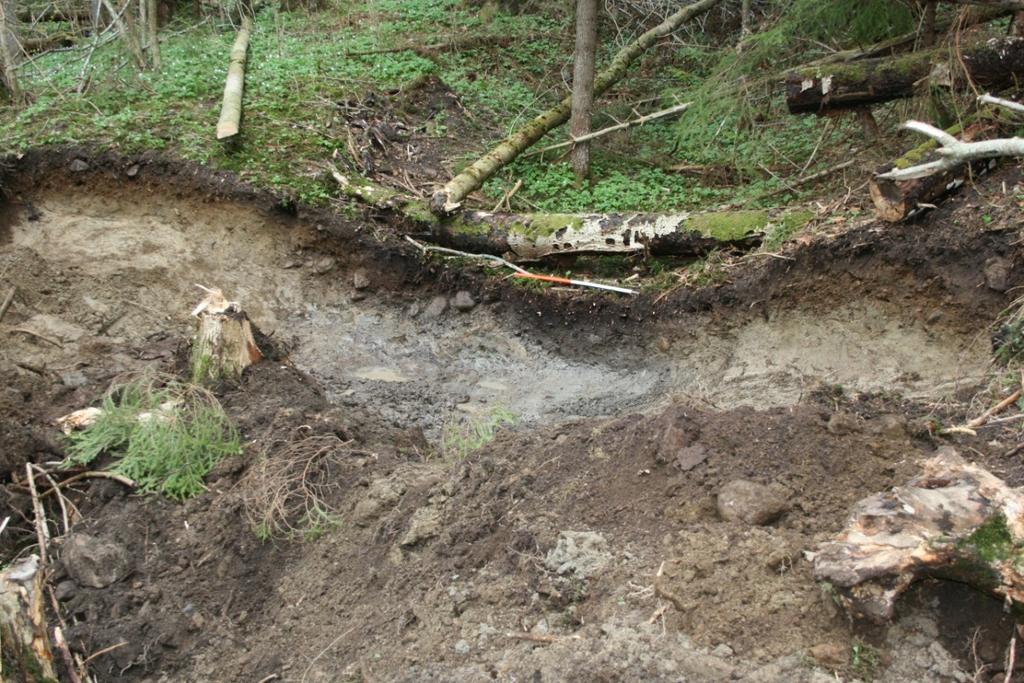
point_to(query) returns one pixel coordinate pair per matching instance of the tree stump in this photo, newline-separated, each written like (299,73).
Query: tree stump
(24,646)
(224,345)
(954,521)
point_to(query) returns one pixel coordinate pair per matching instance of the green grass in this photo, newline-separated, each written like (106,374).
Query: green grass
(462,438)
(164,436)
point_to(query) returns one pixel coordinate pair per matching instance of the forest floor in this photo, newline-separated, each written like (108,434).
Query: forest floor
(583,543)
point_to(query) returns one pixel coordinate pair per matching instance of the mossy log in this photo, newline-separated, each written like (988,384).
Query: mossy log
(25,653)
(529,237)
(954,521)
(993,65)
(224,345)
(449,198)
(231,107)
(896,200)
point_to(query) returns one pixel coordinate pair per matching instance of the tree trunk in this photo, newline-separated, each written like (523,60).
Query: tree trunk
(224,345)
(993,65)
(895,200)
(231,109)
(583,85)
(126,27)
(25,653)
(152,20)
(954,521)
(450,197)
(9,49)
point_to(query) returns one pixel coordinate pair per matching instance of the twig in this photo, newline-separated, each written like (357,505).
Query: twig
(42,534)
(37,336)
(65,653)
(60,497)
(3,524)
(997,408)
(1012,659)
(539,638)
(100,653)
(99,474)
(611,129)
(465,254)
(322,653)
(999,101)
(267,679)
(504,199)
(7,303)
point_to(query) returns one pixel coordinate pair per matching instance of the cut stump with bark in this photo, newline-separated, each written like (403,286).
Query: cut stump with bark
(224,345)
(954,521)
(24,645)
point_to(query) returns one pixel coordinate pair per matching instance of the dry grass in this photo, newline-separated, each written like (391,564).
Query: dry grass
(289,492)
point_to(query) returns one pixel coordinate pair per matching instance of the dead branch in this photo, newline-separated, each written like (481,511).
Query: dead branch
(231,108)
(8,300)
(612,129)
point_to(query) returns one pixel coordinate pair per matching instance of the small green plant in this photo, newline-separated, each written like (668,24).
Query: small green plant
(865,660)
(459,439)
(164,435)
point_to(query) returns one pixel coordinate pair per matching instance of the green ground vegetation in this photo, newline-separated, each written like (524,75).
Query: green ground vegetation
(164,435)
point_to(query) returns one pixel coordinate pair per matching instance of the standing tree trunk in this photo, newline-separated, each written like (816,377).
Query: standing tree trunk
(583,85)
(450,197)
(151,29)
(9,49)
(126,27)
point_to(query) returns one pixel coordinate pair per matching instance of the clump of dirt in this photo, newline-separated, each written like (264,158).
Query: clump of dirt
(585,543)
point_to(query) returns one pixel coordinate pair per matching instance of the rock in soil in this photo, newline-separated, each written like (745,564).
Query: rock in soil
(323,265)
(751,503)
(360,280)
(583,553)
(997,273)
(95,562)
(463,301)
(437,306)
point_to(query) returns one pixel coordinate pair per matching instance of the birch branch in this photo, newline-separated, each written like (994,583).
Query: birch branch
(611,129)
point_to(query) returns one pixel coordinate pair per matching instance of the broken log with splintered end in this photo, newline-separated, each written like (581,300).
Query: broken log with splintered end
(24,646)
(995,64)
(896,200)
(224,345)
(954,521)
(231,108)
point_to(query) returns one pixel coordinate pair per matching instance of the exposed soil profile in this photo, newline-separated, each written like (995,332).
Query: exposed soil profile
(583,543)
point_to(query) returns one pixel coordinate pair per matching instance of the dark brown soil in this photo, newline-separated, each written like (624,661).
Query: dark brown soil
(437,568)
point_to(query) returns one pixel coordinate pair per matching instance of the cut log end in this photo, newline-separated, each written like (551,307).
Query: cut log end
(224,345)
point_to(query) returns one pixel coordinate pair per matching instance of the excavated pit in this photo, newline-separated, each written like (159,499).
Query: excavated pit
(438,568)
(418,362)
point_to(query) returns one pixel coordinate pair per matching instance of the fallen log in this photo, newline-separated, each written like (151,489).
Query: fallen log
(53,13)
(954,521)
(995,64)
(449,198)
(25,653)
(896,199)
(224,344)
(231,108)
(529,237)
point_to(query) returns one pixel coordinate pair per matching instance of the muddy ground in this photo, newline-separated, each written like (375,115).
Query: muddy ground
(820,374)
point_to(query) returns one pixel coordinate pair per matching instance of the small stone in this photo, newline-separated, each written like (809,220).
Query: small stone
(722,651)
(414,309)
(750,502)
(463,301)
(360,280)
(291,263)
(691,456)
(78,166)
(889,426)
(437,306)
(95,562)
(65,590)
(829,655)
(462,647)
(323,265)
(997,273)
(843,423)
(132,171)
